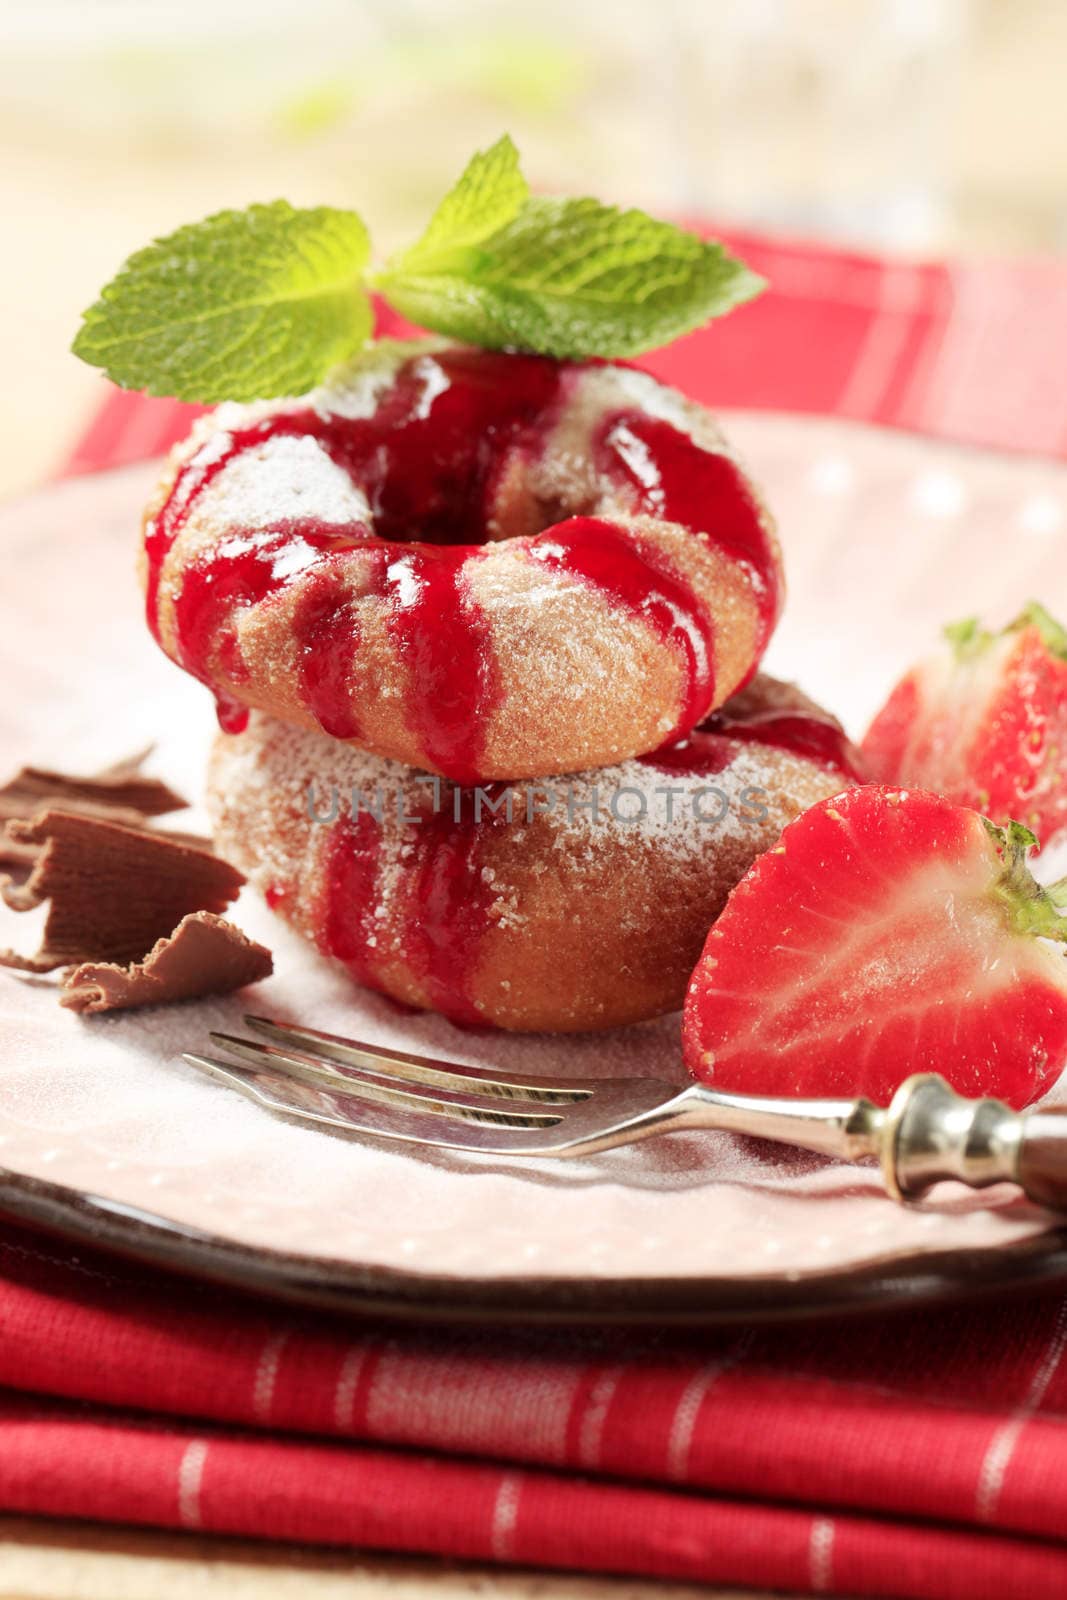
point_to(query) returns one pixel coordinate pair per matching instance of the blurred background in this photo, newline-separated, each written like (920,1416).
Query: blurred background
(913,126)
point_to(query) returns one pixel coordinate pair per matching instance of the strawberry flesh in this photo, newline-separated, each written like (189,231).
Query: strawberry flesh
(889,932)
(984,722)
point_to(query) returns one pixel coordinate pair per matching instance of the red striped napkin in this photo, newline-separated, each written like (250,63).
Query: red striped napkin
(916,1455)
(920,1455)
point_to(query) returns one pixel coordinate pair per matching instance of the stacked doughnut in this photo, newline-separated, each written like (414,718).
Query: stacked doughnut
(483,630)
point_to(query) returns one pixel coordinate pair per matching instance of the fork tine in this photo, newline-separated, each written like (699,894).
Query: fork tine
(399,1064)
(328,1081)
(363,1108)
(420,1122)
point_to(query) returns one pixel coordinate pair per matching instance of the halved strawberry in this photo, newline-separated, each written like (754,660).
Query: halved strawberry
(984,721)
(888,932)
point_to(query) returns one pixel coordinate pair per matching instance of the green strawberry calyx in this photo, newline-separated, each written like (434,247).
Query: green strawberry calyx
(969,639)
(1052,632)
(1033,907)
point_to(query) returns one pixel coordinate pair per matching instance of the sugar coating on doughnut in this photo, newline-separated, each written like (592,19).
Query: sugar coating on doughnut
(283,478)
(563,918)
(542,590)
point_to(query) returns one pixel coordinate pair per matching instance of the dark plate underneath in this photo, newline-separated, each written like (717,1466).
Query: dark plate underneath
(352,1291)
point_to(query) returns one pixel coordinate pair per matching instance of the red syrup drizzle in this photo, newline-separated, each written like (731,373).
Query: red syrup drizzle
(351,866)
(448,905)
(810,738)
(444,640)
(240,570)
(699,755)
(425,461)
(638,578)
(669,475)
(327,634)
(441,914)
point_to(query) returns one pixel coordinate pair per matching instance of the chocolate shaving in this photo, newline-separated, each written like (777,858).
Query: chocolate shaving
(204,955)
(121,793)
(20,859)
(14,854)
(192,841)
(114,891)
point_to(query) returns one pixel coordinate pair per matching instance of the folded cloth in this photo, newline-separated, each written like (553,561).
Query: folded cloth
(919,1454)
(957,350)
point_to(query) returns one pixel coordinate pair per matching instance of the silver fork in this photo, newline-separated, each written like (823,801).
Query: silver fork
(927,1133)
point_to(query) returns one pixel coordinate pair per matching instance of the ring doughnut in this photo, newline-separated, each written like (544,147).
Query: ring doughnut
(584,904)
(481,564)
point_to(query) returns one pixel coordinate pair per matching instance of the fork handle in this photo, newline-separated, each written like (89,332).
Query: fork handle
(932,1133)
(929,1133)
(1042,1165)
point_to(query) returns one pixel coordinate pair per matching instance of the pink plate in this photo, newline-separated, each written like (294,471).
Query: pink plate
(106,1135)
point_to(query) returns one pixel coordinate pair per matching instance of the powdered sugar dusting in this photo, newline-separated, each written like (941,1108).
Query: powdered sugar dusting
(272,785)
(646,393)
(568,902)
(679,811)
(355,390)
(286,477)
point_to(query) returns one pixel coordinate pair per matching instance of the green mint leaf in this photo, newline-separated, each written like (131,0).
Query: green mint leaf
(574,278)
(489,194)
(246,305)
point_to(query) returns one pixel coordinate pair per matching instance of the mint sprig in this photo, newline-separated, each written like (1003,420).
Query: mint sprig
(573,278)
(490,192)
(242,306)
(264,302)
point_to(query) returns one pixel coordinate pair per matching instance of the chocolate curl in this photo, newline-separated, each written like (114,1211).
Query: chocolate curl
(204,955)
(121,793)
(19,856)
(113,891)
